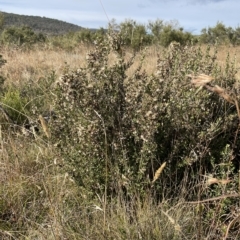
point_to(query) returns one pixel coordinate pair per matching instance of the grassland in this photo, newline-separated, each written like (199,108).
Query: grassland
(40,199)
(22,63)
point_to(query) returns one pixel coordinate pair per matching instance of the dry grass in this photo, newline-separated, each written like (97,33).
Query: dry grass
(33,64)
(203,80)
(24,65)
(40,201)
(223,52)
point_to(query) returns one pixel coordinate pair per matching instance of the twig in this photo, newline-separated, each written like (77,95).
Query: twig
(214,199)
(229,226)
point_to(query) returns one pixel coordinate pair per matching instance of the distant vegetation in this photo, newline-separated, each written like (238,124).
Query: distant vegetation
(28,30)
(39,24)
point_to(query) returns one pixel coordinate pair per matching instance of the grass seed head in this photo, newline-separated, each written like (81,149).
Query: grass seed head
(158,172)
(44,126)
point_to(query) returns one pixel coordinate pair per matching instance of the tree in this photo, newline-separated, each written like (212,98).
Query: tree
(113,25)
(156,28)
(134,34)
(170,33)
(219,33)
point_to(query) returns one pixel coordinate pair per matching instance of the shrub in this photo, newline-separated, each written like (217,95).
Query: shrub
(118,129)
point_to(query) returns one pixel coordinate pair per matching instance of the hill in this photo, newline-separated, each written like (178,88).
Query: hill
(40,24)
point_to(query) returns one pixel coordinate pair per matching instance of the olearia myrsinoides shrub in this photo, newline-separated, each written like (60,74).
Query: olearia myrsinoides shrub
(115,130)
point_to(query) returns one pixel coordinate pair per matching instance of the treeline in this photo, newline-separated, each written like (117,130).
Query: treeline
(163,33)
(158,32)
(134,35)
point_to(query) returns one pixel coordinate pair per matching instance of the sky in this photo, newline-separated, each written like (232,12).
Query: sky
(192,15)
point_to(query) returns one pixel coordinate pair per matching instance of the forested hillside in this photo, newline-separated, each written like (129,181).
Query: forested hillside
(39,24)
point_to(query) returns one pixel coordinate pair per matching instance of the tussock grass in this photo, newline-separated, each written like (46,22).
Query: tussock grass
(39,200)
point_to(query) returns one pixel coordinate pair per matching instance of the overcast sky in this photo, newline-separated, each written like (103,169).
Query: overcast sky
(192,15)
